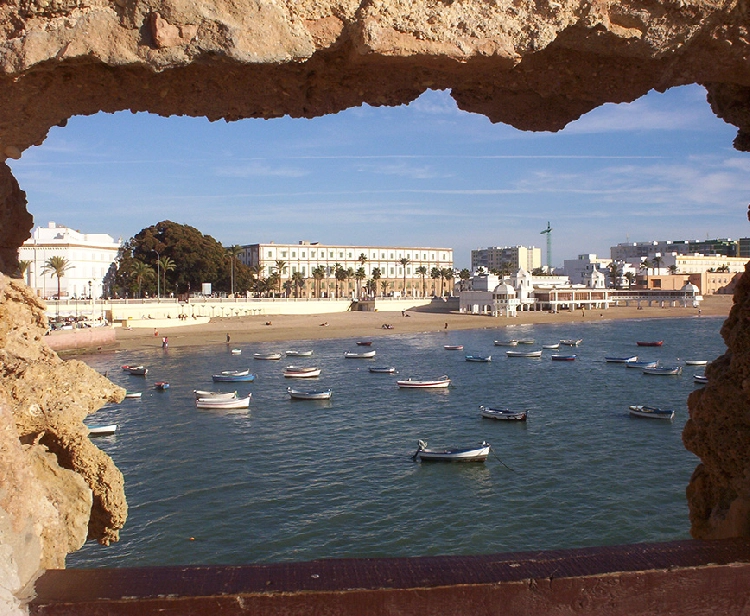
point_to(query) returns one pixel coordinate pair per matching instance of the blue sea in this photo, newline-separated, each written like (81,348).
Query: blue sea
(301,480)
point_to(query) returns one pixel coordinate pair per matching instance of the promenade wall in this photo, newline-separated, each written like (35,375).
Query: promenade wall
(88,338)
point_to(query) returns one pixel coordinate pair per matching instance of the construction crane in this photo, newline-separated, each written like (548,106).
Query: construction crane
(548,231)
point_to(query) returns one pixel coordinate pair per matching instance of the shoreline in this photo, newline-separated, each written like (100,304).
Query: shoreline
(368,325)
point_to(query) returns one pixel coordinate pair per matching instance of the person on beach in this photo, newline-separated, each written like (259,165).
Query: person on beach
(228,338)
(164,342)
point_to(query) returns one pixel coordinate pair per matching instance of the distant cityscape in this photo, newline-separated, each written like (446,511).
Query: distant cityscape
(713,266)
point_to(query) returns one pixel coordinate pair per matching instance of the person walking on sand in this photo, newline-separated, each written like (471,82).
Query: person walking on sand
(446,326)
(228,338)
(164,342)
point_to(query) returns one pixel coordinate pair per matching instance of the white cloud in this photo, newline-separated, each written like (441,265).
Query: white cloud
(258,169)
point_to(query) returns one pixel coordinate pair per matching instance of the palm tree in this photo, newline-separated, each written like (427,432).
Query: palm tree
(298,281)
(141,272)
(256,273)
(23,267)
(673,269)
(167,265)
(645,264)
(233,252)
(447,274)
(376,274)
(339,273)
(318,274)
(280,265)
(362,258)
(630,277)
(723,268)
(359,276)
(435,273)
(57,266)
(383,287)
(422,271)
(271,283)
(614,274)
(657,264)
(404,262)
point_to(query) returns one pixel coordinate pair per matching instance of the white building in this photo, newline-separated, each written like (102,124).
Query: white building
(510,258)
(305,257)
(89,255)
(579,270)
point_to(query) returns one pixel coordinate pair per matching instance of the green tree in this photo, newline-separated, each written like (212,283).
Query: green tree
(464,275)
(447,274)
(435,274)
(384,287)
(141,272)
(362,258)
(657,264)
(630,277)
(644,267)
(318,274)
(421,271)
(165,264)
(376,274)
(57,266)
(673,269)
(298,282)
(23,267)
(615,271)
(404,262)
(280,265)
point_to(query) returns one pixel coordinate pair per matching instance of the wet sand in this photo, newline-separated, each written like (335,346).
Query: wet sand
(368,325)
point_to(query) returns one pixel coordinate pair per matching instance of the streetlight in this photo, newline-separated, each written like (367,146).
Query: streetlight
(158,275)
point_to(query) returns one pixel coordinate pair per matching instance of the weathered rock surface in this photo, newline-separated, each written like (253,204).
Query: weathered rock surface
(56,488)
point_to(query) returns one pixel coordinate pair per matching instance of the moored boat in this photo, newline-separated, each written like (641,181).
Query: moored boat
(320,394)
(364,342)
(523,353)
(572,341)
(299,372)
(232,403)
(651,412)
(563,357)
(554,346)
(506,342)
(236,351)
(441,382)
(620,359)
(136,370)
(355,355)
(470,454)
(216,395)
(700,378)
(230,376)
(382,369)
(453,347)
(696,362)
(268,356)
(133,394)
(642,364)
(663,370)
(502,414)
(102,429)
(161,385)
(526,341)
(294,353)
(650,343)
(478,357)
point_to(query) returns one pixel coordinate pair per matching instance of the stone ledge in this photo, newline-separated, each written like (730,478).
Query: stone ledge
(682,577)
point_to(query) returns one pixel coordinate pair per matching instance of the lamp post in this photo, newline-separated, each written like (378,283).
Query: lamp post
(158,275)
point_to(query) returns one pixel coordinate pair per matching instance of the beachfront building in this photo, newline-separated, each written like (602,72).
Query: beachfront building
(630,251)
(579,270)
(506,259)
(89,257)
(323,270)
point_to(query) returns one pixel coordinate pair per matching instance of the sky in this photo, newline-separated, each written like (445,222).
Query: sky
(424,174)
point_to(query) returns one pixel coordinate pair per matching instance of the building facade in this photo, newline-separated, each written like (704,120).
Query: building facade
(727,247)
(507,258)
(389,270)
(89,257)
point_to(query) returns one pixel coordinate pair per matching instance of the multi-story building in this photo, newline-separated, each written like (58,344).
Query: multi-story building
(89,257)
(389,266)
(507,258)
(629,251)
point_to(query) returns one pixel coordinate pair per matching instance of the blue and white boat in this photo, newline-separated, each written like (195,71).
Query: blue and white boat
(642,364)
(563,357)
(663,370)
(478,357)
(621,360)
(231,376)
(471,454)
(502,414)
(650,412)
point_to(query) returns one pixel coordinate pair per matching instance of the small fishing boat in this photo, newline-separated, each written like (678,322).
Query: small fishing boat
(294,353)
(230,376)
(526,341)
(136,370)
(269,356)
(696,362)
(216,395)
(652,412)
(700,378)
(502,414)
(355,355)
(563,357)
(663,370)
(651,343)
(320,394)
(382,370)
(471,454)
(161,385)
(478,357)
(364,343)
(453,347)
(553,347)
(642,364)
(523,353)
(102,429)
(620,360)
(236,351)
(506,342)
(298,372)
(572,341)
(133,394)
(441,382)
(232,403)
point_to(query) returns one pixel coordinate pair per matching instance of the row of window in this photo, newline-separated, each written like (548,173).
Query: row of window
(350,255)
(330,271)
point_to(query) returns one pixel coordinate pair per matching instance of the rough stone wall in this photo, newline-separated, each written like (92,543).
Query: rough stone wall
(534,64)
(56,488)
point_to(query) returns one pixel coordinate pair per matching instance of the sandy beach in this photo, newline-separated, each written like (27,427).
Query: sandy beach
(369,325)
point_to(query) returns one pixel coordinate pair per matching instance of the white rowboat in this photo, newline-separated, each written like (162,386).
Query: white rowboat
(298,394)
(214,395)
(442,382)
(523,353)
(472,454)
(297,372)
(102,430)
(502,414)
(355,355)
(213,403)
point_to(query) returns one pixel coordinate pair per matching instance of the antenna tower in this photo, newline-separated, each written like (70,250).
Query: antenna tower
(548,232)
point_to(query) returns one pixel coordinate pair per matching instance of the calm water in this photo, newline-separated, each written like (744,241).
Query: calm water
(301,480)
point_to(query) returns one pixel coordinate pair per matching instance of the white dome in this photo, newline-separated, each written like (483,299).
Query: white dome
(690,288)
(504,289)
